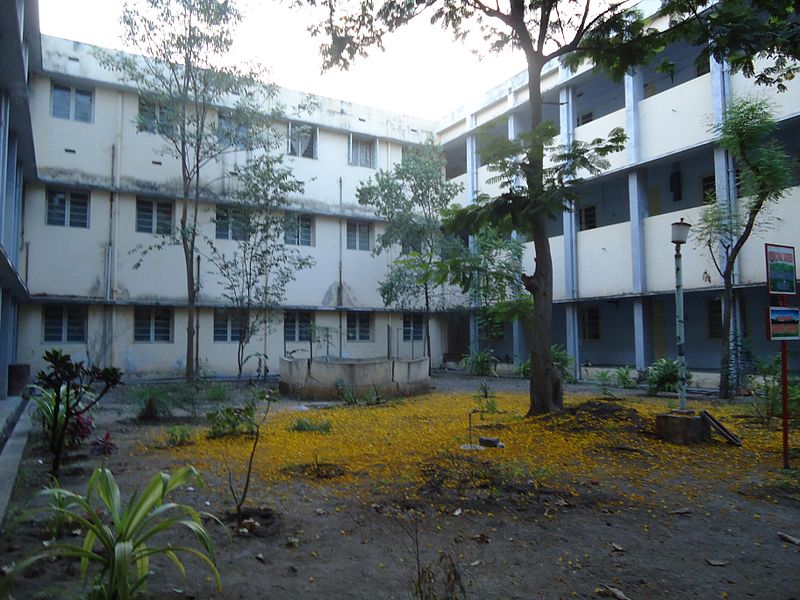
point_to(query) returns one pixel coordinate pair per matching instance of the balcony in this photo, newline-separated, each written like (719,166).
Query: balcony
(599,128)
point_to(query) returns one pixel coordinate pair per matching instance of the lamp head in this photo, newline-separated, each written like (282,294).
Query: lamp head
(680,232)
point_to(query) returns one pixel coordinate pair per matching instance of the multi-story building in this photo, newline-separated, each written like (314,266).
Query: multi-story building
(19,48)
(105,187)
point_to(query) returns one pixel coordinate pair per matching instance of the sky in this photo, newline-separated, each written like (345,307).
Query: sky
(423,72)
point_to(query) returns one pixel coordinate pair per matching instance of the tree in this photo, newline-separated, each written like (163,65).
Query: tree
(254,275)
(181,78)
(614,35)
(411,197)
(765,171)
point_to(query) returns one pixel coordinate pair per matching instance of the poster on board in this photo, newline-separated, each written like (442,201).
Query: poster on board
(784,323)
(781,272)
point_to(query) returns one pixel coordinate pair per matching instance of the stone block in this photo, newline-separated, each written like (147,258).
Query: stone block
(682,429)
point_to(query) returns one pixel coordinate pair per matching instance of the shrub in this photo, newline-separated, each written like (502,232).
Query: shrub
(623,378)
(485,399)
(524,369)
(767,392)
(79,428)
(104,446)
(154,403)
(604,377)
(121,545)
(480,363)
(663,375)
(216,393)
(562,361)
(179,435)
(301,424)
(231,420)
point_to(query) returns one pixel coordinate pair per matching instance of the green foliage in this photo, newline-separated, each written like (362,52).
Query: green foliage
(768,393)
(216,393)
(485,399)
(179,435)
(623,378)
(79,427)
(524,369)
(664,375)
(604,377)
(120,538)
(231,420)
(68,394)
(481,363)
(301,424)
(563,362)
(154,403)
(60,507)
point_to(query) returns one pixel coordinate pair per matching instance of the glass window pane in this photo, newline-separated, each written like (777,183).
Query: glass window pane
(237,328)
(79,210)
(83,106)
(363,236)
(221,223)
(53,323)
(147,116)
(238,229)
(76,324)
(220,326)
(351,236)
(141,324)
(290,230)
(304,326)
(363,328)
(164,218)
(162,325)
(351,327)
(144,216)
(289,334)
(56,208)
(305,231)
(61,99)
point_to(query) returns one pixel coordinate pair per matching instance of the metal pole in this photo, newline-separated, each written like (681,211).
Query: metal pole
(785,402)
(679,321)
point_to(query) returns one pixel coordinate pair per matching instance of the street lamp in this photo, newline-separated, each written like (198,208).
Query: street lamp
(680,233)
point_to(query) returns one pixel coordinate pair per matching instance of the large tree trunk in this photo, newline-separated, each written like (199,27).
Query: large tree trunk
(188,257)
(546,393)
(726,390)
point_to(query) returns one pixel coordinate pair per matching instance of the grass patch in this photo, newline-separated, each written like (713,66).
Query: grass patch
(301,424)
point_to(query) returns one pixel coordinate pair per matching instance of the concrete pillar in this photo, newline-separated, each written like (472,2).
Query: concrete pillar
(472,192)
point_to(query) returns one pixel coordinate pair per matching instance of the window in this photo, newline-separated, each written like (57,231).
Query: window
(71,103)
(587,218)
(359,327)
(230,224)
(302,140)
(714,316)
(152,324)
(67,208)
(297,326)
(585,118)
(64,323)
(590,323)
(297,230)
(156,118)
(228,326)
(358,235)
(230,132)
(412,327)
(708,187)
(362,152)
(153,216)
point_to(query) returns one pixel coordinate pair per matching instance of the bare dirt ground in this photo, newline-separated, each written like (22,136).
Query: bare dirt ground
(511,539)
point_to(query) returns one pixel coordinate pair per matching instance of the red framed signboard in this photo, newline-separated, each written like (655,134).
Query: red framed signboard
(781,271)
(783,323)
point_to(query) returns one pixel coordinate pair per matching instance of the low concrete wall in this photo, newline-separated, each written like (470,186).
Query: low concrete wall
(319,378)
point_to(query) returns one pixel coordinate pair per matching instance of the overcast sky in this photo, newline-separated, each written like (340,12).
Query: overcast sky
(423,72)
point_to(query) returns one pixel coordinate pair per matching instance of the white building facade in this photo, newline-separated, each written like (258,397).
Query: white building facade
(100,188)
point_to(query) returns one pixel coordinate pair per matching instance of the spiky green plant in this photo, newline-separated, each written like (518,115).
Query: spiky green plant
(122,547)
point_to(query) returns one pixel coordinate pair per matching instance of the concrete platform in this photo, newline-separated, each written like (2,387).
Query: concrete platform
(16,420)
(682,428)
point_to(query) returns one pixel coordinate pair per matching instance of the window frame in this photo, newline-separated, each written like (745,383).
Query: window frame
(233,134)
(229,220)
(294,324)
(72,108)
(233,326)
(714,325)
(156,126)
(67,314)
(354,158)
(291,146)
(355,331)
(152,311)
(68,213)
(157,207)
(590,323)
(584,222)
(413,327)
(360,230)
(292,231)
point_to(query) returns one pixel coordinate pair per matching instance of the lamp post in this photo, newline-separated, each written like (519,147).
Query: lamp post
(680,233)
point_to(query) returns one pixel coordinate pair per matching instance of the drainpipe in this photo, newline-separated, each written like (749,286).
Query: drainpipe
(197,320)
